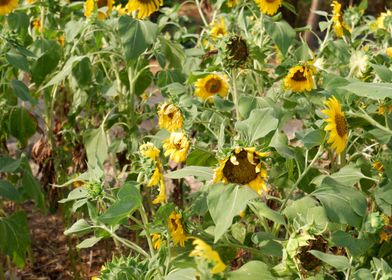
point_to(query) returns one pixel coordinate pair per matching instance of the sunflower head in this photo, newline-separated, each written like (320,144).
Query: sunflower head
(144,8)
(7,6)
(204,251)
(269,7)
(236,53)
(89,8)
(384,20)
(161,198)
(176,146)
(148,150)
(336,125)
(211,85)
(300,78)
(388,51)
(219,29)
(337,19)
(243,167)
(176,229)
(170,117)
(157,241)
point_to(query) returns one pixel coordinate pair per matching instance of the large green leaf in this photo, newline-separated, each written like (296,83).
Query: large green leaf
(8,191)
(17,60)
(201,157)
(15,238)
(225,202)
(253,270)
(370,90)
(182,274)
(65,71)
(261,209)
(46,63)
(21,125)
(281,33)
(33,189)
(96,146)
(357,247)
(22,91)
(347,176)
(136,35)
(128,200)
(258,125)
(202,172)
(338,262)
(8,164)
(80,226)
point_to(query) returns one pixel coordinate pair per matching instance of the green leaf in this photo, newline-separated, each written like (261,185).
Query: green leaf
(182,274)
(357,247)
(258,125)
(46,63)
(8,164)
(173,51)
(261,209)
(253,270)
(129,199)
(370,90)
(17,60)
(8,191)
(205,173)
(89,242)
(280,142)
(80,226)
(268,244)
(136,35)
(21,125)
(338,262)
(82,72)
(33,190)
(96,146)
(65,72)
(199,157)
(22,91)
(383,72)
(15,238)
(347,176)
(75,194)
(225,202)
(313,138)
(281,33)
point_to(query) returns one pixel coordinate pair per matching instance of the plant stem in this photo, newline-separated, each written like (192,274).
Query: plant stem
(235,93)
(145,226)
(366,117)
(198,4)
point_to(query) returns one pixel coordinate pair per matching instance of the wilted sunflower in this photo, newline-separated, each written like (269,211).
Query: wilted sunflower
(337,125)
(243,167)
(161,198)
(269,7)
(236,52)
(176,146)
(219,29)
(209,86)
(144,7)
(176,229)
(380,21)
(170,117)
(156,241)
(7,6)
(204,251)
(300,78)
(337,19)
(149,150)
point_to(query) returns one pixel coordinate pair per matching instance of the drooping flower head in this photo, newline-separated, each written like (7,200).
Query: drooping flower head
(243,167)
(148,150)
(300,78)
(336,125)
(156,241)
(170,117)
(144,8)
(211,85)
(176,229)
(176,146)
(219,29)
(204,251)
(236,52)
(7,6)
(337,19)
(269,7)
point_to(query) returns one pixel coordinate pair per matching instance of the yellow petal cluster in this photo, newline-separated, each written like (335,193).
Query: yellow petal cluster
(380,21)
(300,78)
(170,117)
(176,146)
(209,86)
(204,251)
(269,7)
(232,3)
(243,167)
(219,29)
(388,51)
(7,6)
(337,19)
(336,125)
(149,150)
(157,241)
(144,8)
(176,229)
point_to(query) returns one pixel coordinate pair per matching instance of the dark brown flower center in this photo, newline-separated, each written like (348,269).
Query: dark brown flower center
(243,173)
(174,224)
(299,76)
(4,2)
(238,49)
(213,85)
(341,125)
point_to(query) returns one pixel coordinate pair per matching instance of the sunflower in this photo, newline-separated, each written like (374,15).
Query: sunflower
(209,86)
(380,21)
(243,167)
(269,7)
(176,146)
(148,150)
(219,29)
(337,19)
(388,51)
(144,7)
(300,78)
(156,241)
(337,125)
(170,117)
(88,8)
(236,52)
(161,198)
(232,3)
(382,109)
(204,251)
(176,229)
(7,6)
